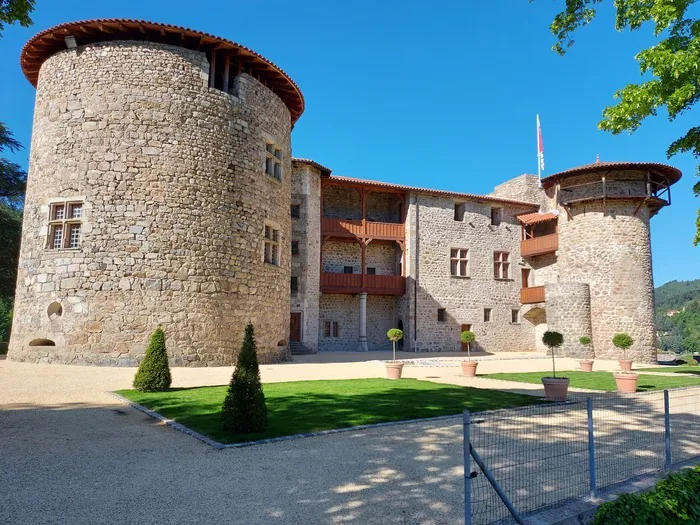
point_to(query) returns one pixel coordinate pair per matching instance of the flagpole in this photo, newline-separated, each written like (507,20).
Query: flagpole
(539,160)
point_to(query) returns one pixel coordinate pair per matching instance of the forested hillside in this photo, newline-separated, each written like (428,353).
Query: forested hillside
(678,316)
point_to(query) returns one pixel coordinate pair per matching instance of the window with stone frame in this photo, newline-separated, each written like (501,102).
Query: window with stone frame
(65,225)
(441,315)
(371,270)
(459,262)
(501,265)
(487,315)
(294,284)
(515,316)
(295,247)
(348,269)
(273,160)
(331,329)
(496,215)
(460,208)
(272,245)
(295,211)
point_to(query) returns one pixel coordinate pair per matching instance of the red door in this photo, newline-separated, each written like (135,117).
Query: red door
(295,327)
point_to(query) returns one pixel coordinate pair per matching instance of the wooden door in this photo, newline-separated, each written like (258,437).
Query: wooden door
(295,327)
(525,277)
(464,328)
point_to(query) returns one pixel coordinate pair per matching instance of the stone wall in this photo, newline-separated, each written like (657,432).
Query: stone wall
(337,254)
(569,313)
(524,188)
(342,203)
(175,203)
(382,314)
(612,253)
(306,192)
(431,232)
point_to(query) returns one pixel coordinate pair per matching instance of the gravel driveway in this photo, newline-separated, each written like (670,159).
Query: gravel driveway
(72,454)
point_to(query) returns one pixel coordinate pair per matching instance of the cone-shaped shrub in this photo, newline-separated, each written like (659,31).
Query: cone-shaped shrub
(154,373)
(244,408)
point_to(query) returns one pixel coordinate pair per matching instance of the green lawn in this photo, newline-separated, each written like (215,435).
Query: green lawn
(601,380)
(310,406)
(675,369)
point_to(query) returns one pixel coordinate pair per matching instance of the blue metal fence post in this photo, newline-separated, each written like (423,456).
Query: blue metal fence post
(667,429)
(467,470)
(591,447)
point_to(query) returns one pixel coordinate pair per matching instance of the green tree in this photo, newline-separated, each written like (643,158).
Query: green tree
(553,340)
(244,409)
(5,318)
(468,337)
(394,334)
(18,11)
(153,374)
(672,65)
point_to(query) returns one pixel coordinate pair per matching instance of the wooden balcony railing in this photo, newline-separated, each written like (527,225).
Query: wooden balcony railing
(359,228)
(534,294)
(351,283)
(539,245)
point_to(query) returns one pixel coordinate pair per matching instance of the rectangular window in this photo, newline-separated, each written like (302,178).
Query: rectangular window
(459,262)
(347,269)
(501,265)
(296,211)
(496,216)
(331,329)
(460,208)
(273,161)
(65,225)
(515,316)
(295,247)
(294,284)
(441,315)
(371,271)
(272,247)
(487,315)
(74,238)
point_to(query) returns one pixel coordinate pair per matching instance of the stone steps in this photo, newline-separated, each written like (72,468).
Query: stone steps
(300,349)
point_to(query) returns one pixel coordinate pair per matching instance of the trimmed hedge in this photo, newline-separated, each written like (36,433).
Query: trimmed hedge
(154,372)
(674,501)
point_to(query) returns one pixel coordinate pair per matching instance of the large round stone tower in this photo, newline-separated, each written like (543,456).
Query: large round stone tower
(158,193)
(603,228)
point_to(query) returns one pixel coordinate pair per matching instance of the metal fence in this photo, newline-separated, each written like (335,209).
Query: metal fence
(544,455)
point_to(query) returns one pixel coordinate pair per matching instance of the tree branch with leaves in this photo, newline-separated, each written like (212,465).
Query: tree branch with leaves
(674,63)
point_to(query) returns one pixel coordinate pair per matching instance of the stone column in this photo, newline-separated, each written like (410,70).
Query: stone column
(362,345)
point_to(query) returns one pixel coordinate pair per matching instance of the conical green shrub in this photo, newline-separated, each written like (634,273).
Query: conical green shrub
(154,372)
(244,408)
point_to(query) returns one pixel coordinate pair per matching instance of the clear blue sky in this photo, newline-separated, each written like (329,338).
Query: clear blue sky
(437,94)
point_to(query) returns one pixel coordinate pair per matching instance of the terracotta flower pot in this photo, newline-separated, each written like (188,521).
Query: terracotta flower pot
(469,368)
(626,383)
(586,365)
(393,369)
(625,365)
(555,389)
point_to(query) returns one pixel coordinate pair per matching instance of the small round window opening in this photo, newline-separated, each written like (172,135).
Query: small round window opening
(54,311)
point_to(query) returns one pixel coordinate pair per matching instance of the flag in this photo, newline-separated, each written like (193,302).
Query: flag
(540,147)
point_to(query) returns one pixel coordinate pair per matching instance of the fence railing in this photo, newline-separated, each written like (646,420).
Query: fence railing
(543,455)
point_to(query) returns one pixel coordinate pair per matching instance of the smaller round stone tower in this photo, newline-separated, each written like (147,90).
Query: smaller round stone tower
(569,313)
(605,251)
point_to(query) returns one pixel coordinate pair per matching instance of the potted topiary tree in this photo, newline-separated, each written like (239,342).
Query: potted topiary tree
(555,388)
(625,379)
(468,366)
(586,364)
(394,367)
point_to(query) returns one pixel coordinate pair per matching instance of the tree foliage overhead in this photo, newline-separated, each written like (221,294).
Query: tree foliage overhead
(15,11)
(674,64)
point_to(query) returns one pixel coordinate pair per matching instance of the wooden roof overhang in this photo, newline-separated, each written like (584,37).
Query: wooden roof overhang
(529,219)
(50,41)
(660,174)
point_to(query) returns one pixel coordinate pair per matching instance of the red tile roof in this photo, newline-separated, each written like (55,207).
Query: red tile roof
(672,174)
(537,217)
(470,196)
(324,170)
(48,42)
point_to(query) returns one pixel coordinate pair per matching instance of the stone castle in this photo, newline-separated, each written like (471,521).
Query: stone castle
(162,191)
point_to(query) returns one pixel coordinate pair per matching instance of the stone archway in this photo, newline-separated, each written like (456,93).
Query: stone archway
(538,317)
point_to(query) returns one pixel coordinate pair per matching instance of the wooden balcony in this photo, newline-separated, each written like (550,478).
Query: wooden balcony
(351,283)
(534,294)
(539,245)
(360,228)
